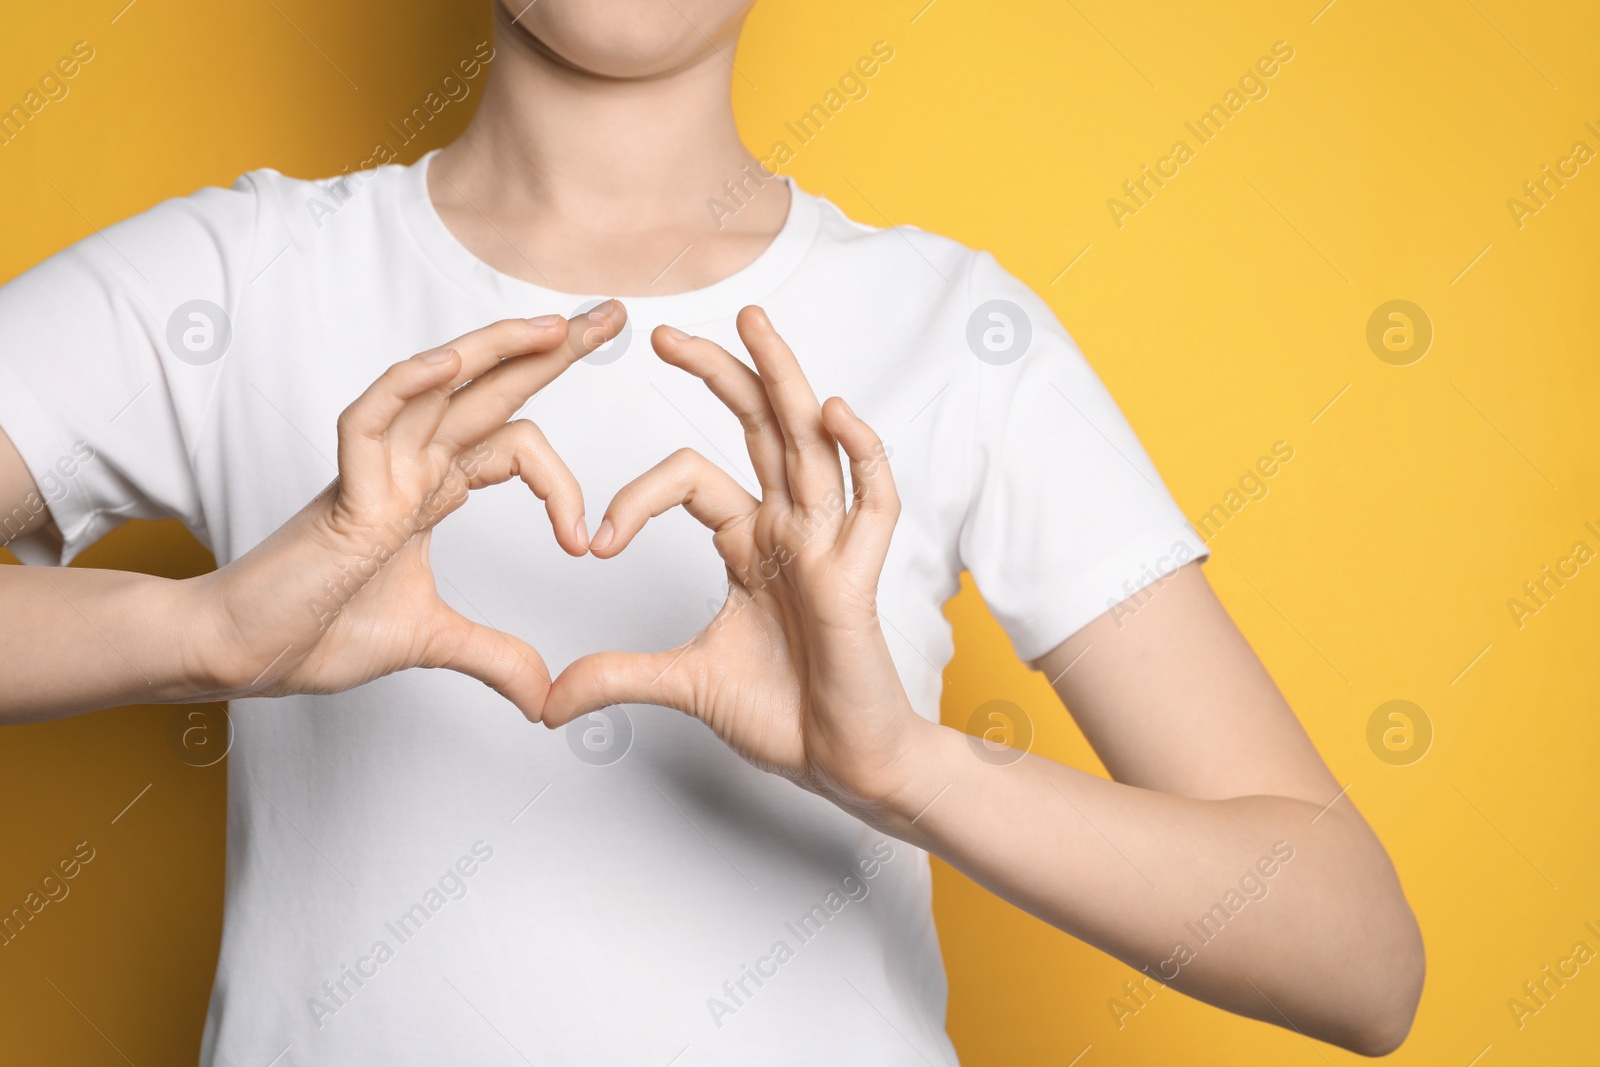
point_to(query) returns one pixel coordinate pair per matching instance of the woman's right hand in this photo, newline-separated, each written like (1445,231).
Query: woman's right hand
(343,592)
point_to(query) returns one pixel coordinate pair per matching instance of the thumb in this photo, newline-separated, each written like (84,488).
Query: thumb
(506,664)
(605,678)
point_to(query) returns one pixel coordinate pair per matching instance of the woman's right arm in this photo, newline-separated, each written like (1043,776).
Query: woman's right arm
(340,594)
(74,639)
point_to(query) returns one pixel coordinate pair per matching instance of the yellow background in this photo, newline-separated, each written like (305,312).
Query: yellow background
(1225,316)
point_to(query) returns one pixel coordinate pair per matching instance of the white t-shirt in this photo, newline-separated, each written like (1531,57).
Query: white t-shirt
(415,874)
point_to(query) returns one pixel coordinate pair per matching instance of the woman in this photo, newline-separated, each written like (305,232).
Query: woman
(416,877)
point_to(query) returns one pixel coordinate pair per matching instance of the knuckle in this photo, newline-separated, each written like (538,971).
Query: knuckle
(510,328)
(686,457)
(509,335)
(346,423)
(607,679)
(534,450)
(686,467)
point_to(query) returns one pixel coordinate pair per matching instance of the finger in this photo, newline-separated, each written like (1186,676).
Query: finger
(500,389)
(870,523)
(685,478)
(480,352)
(520,450)
(602,679)
(811,457)
(506,664)
(485,348)
(739,387)
(364,423)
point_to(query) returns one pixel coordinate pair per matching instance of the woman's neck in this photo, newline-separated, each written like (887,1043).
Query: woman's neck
(589,184)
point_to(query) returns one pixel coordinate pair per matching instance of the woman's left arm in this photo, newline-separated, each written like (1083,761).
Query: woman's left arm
(1224,860)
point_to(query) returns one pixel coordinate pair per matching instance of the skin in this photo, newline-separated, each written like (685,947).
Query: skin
(342,593)
(588,164)
(1210,768)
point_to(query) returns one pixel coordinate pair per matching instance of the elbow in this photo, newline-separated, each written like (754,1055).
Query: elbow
(1383,1036)
(1390,1006)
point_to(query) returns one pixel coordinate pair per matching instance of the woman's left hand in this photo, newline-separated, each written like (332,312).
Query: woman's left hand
(793,673)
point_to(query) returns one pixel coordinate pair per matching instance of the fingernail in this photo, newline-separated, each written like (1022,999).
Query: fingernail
(600,312)
(438,355)
(675,333)
(581,529)
(602,536)
(546,320)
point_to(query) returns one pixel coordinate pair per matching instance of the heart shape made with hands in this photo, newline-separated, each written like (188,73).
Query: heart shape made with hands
(793,672)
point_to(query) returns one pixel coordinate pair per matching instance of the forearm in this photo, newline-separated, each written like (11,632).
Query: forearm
(75,640)
(1324,943)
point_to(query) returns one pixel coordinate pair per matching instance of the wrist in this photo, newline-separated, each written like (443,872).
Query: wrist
(255,617)
(213,660)
(923,772)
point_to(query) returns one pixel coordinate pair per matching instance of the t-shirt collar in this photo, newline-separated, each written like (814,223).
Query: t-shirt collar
(722,299)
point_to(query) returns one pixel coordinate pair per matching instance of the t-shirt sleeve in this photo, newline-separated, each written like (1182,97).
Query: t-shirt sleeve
(109,353)
(1068,517)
